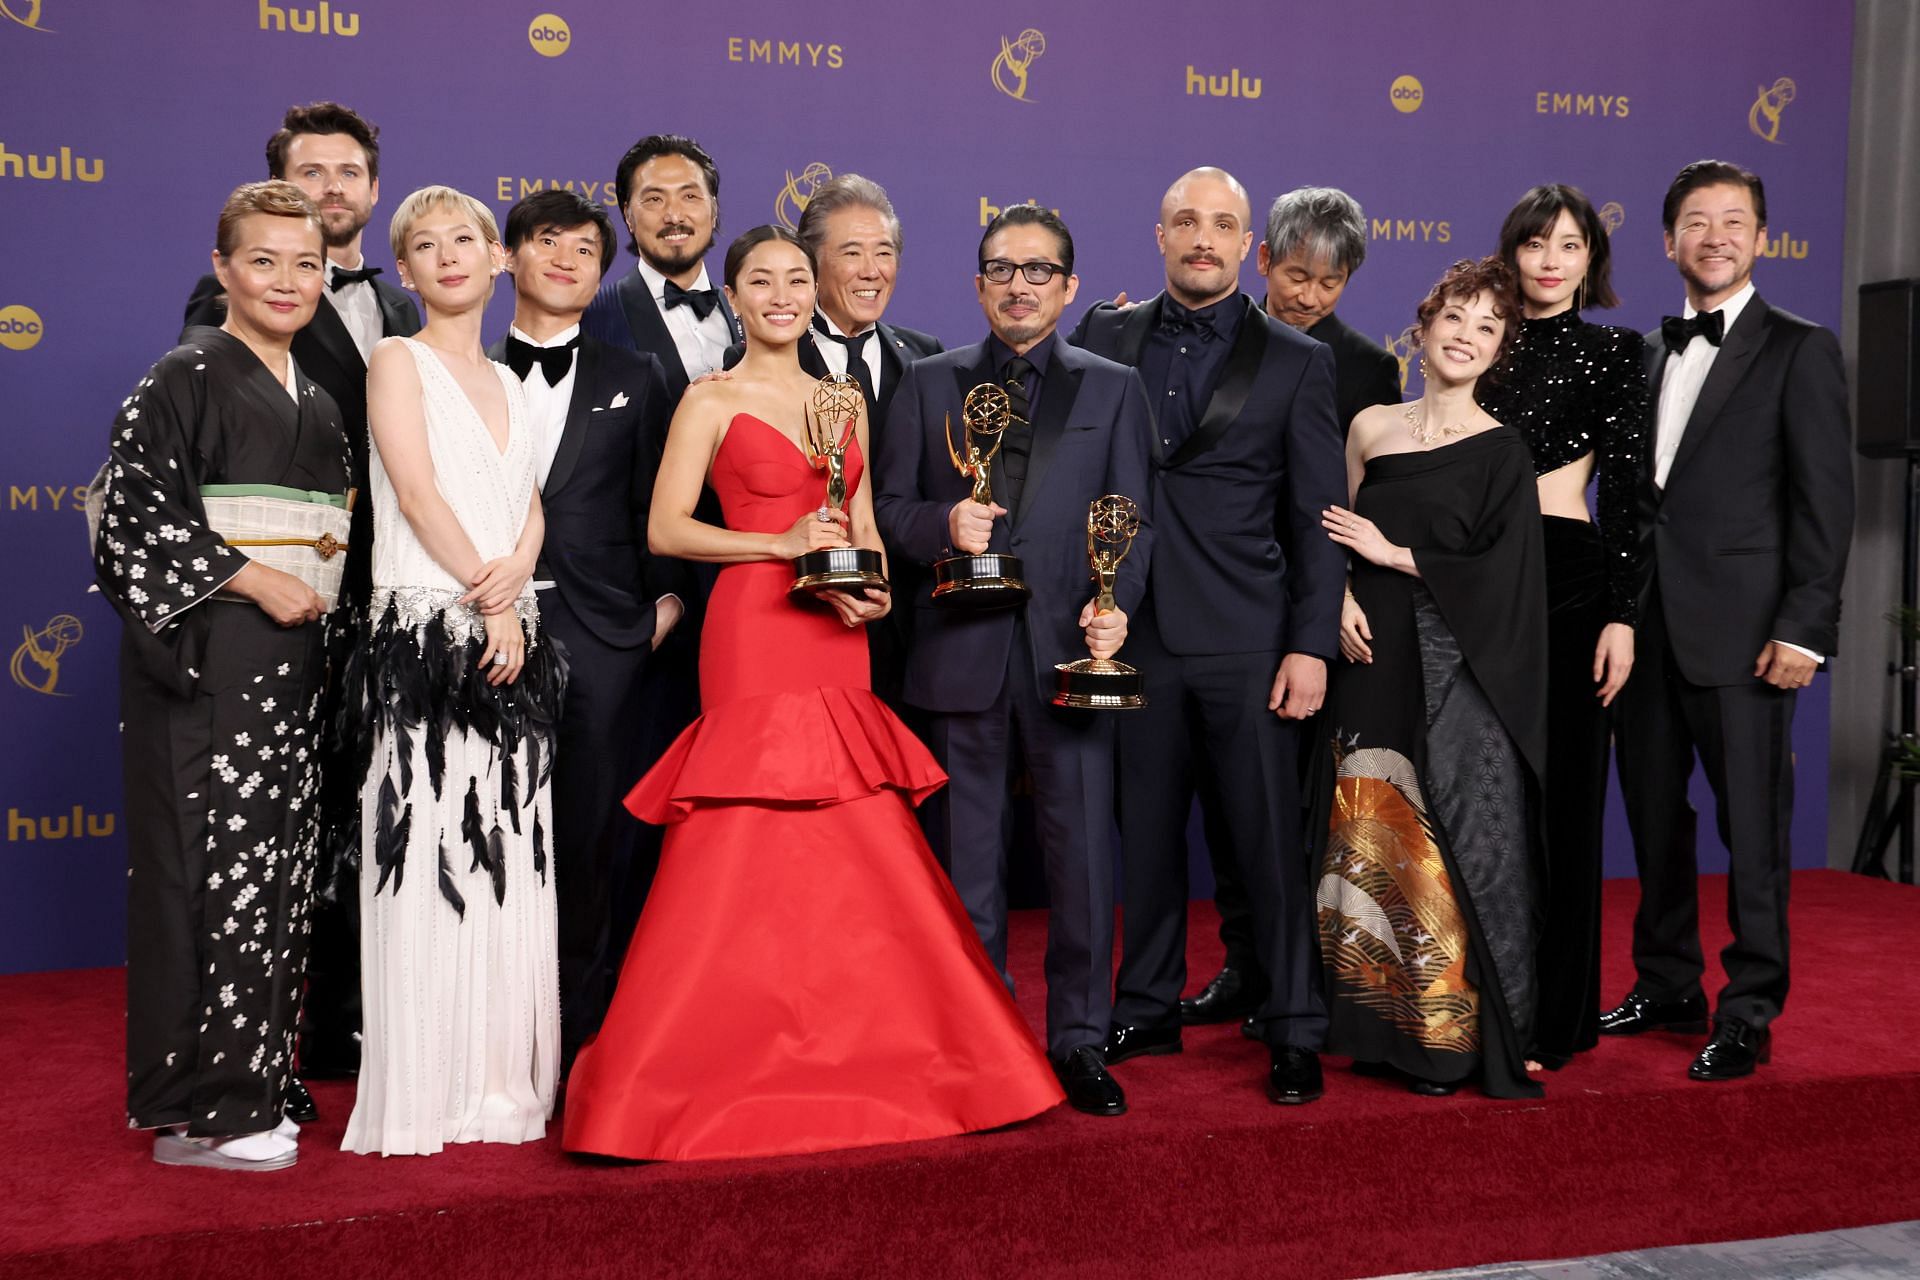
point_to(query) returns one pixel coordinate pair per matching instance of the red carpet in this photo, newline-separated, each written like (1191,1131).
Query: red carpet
(1204,1177)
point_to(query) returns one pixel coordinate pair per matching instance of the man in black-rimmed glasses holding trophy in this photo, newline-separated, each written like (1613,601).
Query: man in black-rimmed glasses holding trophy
(1241,616)
(993,456)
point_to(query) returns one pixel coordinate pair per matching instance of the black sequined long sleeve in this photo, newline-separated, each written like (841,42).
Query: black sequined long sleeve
(1575,388)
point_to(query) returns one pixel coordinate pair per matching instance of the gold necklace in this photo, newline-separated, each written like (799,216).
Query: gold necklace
(1423,434)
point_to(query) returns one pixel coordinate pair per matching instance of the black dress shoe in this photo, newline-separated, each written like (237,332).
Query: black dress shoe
(1432,1088)
(300,1108)
(1295,1075)
(1736,1049)
(1131,1042)
(1636,1014)
(1089,1088)
(1228,998)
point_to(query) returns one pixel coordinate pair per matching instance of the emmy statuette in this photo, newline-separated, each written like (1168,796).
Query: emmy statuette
(992,579)
(836,401)
(1101,684)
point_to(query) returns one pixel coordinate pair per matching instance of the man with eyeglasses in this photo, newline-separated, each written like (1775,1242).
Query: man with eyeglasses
(1080,429)
(1241,617)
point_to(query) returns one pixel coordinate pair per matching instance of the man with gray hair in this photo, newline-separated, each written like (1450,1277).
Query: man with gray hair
(1316,239)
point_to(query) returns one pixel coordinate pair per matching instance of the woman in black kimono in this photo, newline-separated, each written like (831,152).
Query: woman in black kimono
(220,674)
(1427,890)
(1577,394)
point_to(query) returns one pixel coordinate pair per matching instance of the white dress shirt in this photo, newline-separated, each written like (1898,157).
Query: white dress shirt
(547,409)
(359,308)
(702,344)
(834,355)
(1680,384)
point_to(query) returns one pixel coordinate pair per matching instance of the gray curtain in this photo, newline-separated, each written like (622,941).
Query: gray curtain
(1883,243)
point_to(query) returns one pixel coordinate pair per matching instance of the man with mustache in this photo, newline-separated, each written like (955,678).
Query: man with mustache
(1240,619)
(333,154)
(1747,513)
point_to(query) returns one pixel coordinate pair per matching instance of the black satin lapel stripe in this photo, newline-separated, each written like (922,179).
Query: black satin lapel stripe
(1057,394)
(327,329)
(1229,399)
(1737,351)
(1656,371)
(573,436)
(650,332)
(1134,328)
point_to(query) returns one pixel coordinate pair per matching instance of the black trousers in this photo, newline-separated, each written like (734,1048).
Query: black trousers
(969,823)
(593,834)
(1207,717)
(1742,736)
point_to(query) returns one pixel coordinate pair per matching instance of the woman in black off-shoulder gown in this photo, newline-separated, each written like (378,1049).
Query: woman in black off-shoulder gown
(1577,394)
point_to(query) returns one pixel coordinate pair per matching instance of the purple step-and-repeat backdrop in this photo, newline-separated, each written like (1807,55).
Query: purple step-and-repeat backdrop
(124,126)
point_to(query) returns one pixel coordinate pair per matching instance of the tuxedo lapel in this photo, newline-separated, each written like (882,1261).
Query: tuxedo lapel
(573,436)
(1058,391)
(327,331)
(812,363)
(1229,398)
(1737,351)
(397,314)
(1134,329)
(650,332)
(891,365)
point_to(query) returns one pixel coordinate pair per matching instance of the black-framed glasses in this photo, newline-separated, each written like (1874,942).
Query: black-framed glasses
(999,270)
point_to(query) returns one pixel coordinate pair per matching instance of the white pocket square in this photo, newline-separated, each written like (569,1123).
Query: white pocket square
(618,400)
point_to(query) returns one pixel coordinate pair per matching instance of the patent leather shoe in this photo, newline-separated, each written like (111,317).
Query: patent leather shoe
(1295,1075)
(1432,1088)
(1736,1049)
(1230,997)
(1133,1042)
(1089,1087)
(1636,1014)
(299,1106)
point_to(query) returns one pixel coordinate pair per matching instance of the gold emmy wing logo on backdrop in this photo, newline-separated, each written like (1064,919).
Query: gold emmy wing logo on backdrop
(792,200)
(1402,349)
(1612,216)
(62,166)
(36,663)
(20,327)
(1406,94)
(324,21)
(1010,65)
(24,12)
(1763,117)
(549,35)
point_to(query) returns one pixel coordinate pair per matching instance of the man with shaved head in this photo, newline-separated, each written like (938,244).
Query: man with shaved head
(1240,619)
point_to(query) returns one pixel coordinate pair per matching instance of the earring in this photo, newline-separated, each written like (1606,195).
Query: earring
(1580,295)
(1423,366)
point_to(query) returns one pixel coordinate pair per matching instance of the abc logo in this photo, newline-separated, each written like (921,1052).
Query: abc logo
(20,327)
(1407,94)
(549,35)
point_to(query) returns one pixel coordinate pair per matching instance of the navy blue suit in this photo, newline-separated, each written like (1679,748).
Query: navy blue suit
(601,609)
(987,678)
(1242,575)
(624,314)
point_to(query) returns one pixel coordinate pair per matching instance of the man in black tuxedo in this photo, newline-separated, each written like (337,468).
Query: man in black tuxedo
(855,236)
(1081,429)
(1747,511)
(669,193)
(333,154)
(1242,614)
(602,413)
(1316,239)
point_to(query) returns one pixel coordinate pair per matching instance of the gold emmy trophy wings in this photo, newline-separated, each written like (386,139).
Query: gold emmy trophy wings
(992,579)
(1102,684)
(829,428)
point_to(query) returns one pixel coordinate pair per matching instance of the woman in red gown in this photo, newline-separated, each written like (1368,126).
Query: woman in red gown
(803,977)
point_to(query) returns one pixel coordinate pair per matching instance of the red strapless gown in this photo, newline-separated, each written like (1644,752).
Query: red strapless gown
(803,977)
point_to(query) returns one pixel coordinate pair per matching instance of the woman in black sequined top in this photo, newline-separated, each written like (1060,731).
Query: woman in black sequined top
(1577,393)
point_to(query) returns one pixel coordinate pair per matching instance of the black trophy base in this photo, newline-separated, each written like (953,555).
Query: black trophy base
(989,581)
(1098,684)
(837,569)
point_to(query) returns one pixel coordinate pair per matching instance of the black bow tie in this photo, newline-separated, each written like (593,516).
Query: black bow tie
(343,277)
(1175,318)
(1677,333)
(553,361)
(703,301)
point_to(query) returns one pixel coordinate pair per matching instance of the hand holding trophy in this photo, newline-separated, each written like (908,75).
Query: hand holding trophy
(828,430)
(991,579)
(1101,683)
